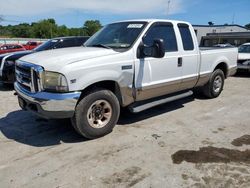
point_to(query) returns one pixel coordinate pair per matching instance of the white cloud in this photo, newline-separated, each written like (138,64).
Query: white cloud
(37,7)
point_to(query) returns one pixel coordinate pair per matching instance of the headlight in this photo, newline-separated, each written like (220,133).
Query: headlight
(54,82)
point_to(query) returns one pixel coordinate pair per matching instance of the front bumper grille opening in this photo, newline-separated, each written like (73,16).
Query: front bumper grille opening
(25,87)
(27,76)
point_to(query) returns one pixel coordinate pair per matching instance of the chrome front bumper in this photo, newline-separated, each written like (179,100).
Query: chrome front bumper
(48,105)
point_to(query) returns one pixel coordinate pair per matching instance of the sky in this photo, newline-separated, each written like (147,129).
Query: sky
(73,13)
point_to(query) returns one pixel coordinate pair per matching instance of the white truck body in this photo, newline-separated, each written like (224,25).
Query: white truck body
(136,79)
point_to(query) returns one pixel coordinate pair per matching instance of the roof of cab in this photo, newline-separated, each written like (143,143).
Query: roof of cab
(154,20)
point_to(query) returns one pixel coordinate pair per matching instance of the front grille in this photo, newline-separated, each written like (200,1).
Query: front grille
(28,76)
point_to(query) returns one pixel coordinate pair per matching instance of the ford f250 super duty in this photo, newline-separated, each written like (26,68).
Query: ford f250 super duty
(137,64)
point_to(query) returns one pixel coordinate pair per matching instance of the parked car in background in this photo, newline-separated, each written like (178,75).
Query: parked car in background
(227,45)
(137,64)
(8,48)
(7,61)
(244,57)
(31,45)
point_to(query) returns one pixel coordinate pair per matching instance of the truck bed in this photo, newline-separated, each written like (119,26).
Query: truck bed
(213,48)
(215,55)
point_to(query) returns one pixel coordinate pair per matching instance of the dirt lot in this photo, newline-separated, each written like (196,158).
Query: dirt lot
(190,143)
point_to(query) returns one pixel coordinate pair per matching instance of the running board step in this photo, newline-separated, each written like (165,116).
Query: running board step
(141,107)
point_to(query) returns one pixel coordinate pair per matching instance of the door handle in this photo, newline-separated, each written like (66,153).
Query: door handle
(180,62)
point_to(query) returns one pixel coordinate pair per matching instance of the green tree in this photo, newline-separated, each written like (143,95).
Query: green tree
(92,26)
(62,31)
(21,30)
(247,26)
(48,28)
(210,23)
(45,29)
(77,32)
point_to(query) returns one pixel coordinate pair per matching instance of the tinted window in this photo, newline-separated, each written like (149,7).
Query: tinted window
(244,49)
(33,44)
(186,36)
(66,43)
(162,31)
(47,45)
(81,40)
(17,47)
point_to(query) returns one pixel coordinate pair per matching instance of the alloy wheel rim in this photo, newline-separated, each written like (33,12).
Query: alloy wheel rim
(99,114)
(217,84)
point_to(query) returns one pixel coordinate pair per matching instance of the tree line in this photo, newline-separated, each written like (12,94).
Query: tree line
(48,28)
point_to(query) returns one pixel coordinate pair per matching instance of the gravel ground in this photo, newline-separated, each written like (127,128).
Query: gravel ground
(188,143)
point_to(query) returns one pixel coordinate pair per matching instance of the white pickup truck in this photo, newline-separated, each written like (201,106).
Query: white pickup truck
(137,64)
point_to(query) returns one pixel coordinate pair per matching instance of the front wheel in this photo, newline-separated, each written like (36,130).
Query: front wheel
(96,114)
(215,84)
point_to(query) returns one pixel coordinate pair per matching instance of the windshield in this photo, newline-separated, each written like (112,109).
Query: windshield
(244,49)
(47,45)
(117,36)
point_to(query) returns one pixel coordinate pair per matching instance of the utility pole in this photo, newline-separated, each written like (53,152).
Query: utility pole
(168,7)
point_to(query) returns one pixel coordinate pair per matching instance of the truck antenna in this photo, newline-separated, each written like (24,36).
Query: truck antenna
(168,7)
(233,20)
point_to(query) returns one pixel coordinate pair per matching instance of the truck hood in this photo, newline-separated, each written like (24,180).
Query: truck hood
(244,56)
(56,59)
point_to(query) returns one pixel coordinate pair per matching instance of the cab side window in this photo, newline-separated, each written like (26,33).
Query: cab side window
(162,31)
(186,36)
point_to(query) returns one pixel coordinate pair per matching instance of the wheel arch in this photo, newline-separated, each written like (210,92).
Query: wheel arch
(222,66)
(105,84)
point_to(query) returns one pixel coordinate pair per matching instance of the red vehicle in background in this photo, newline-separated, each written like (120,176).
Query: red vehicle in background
(31,45)
(8,48)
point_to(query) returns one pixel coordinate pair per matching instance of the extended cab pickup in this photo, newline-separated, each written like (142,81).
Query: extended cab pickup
(136,64)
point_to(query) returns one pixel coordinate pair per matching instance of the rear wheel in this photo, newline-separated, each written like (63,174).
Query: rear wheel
(96,114)
(215,84)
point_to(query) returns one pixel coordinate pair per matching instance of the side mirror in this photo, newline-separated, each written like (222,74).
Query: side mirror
(159,47)
(157,50)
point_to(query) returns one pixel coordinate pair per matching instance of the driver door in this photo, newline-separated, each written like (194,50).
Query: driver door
(158,76)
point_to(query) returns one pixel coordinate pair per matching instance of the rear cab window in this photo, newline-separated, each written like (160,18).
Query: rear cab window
(186,36)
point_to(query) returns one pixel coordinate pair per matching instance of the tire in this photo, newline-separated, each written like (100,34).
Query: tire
(73,123)
(215,84)
(96,114)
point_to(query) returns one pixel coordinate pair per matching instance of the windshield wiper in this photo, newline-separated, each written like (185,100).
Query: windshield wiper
(101,45)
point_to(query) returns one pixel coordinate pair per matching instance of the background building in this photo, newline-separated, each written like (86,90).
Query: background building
(209,35)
